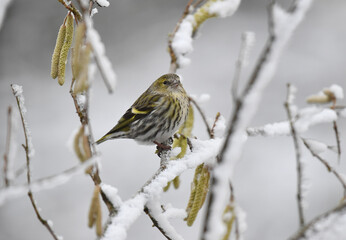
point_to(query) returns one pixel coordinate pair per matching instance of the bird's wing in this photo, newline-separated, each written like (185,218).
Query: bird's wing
(141,108)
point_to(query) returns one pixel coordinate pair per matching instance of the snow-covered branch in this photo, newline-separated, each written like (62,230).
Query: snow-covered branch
(281,26)
(180,41)
(45,183)
(329,225)
(315,147)
(130,210)
(297,147)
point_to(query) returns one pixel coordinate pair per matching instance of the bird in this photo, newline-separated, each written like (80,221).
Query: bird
(156,115)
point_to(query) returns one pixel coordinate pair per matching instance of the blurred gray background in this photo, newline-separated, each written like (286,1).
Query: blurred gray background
(135,35)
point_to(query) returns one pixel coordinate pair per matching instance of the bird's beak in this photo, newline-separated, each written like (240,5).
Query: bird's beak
(175,83)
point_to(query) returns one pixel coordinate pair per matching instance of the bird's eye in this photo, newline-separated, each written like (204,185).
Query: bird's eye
(165,82)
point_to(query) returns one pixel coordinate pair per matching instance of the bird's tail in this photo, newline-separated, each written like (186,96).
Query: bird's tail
(110,135)
(103,139)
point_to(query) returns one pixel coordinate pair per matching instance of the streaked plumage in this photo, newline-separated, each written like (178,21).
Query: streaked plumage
(156,115)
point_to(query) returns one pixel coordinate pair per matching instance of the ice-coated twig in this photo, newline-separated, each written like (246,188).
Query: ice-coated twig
(329,225)
(4,5)
(327,165)
(154,211)
(288,106)
(130,210)
(9,174)
(174,65)
(247,41)
(304,120)
(45,183)
(180,41)
(102,61)
(29,150)
(282,23)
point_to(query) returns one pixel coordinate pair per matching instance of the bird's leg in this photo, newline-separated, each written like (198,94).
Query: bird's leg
(161,146)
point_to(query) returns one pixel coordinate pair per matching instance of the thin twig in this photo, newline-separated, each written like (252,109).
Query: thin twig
(336,131)
(337,136)
(314,226)
(246,42)
(8,146)
(26,148)
(298,156)
(73,9)
(212,132)
(156,223)
(260,77)
(327,165)
(203,116)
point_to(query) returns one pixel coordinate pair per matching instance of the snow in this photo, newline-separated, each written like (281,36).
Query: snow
(171,212)
(316,146)
(130,210)
(45,183)
(307,117)
(18,93)
(103,3)
(155,209)
(99,51)
(112,194)
(220,127)
(329,227)
(182,41)
(224,8)
(93,12)
(336,90)
(284,26)
(241,220)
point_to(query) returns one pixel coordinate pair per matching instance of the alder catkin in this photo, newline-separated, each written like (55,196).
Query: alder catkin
(56,53)
(80,33)
(65,48)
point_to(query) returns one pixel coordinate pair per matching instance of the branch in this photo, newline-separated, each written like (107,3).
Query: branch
(304,120)
(288,103)
(247,41)
(8,147)
(46,182)
(327,165)
(28,147)
(117,225)
(281,27)
(154,211)
(325,226)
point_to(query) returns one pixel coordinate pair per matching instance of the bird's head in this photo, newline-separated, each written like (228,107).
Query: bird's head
(166,84)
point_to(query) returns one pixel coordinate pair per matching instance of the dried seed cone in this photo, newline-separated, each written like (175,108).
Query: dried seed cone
(76,144)
(200,193)
(80,33)
(65,48)
(193,188)
(176,182)
(82,83)
(95,214)
(228,221)
(56,54)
